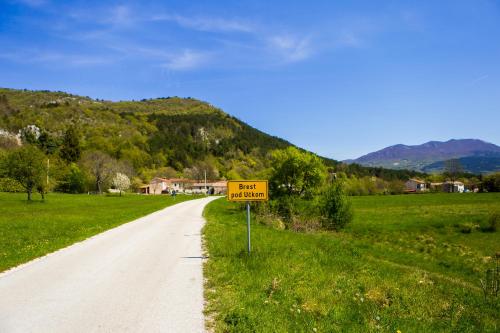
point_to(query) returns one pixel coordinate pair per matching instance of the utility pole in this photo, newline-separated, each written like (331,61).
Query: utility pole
(206,191)
(48,167)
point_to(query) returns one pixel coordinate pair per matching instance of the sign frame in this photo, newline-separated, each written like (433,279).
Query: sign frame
(240,197)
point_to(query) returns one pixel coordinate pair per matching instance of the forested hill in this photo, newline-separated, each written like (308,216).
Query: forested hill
(156,135)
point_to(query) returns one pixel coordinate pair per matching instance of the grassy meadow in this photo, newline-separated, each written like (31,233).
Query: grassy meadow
(408,263)
(32,229)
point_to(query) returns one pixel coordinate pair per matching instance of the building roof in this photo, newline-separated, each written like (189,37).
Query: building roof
(220,183)
(416,180)
(173,180)
(456,182)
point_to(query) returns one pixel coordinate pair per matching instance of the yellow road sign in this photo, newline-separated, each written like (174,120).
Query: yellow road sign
(247,190)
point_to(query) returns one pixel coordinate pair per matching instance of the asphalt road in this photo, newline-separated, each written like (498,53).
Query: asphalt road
(144,276)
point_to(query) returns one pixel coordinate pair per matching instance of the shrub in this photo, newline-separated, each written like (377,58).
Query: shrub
(266,216)
(335,207)
(466,228)
(291,212)
(10,185)
(493,222)
(287,207)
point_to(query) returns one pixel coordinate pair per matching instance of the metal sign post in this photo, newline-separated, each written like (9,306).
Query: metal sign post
(248,190)
(248,226)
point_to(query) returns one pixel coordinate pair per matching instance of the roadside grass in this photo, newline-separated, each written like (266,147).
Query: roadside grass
(403,264)
(32,229)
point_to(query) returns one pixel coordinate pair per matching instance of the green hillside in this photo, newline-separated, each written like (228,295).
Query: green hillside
(169,136)
(175,132)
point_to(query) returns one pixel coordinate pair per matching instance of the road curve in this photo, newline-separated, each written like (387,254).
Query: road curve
(143,276)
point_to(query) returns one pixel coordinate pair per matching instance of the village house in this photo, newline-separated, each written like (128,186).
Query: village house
(455,187)
(163,185)
(212,187)
(182,185)
(436,187)
(415,185)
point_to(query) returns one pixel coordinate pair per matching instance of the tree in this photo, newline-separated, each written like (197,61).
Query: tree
(491,183)
(73,180)
(296,173)
(101,166)
(452,170)
(26,165)
(166,172)
(71,150)
(121,182)
(47,143)
(200,169)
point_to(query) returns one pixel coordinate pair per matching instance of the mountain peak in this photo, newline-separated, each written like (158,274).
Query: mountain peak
(417,157)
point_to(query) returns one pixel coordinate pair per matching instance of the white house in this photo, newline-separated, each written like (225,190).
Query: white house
(455,187)
(163,185)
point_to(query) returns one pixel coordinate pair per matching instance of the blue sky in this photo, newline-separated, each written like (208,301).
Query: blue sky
(340,78)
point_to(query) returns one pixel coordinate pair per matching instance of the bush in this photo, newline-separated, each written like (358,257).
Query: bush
(266,216)
(290,212)
(335,207)
(287,207)
(466,228)
(10,185)
(493,222)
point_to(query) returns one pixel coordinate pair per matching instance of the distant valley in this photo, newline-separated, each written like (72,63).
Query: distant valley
(475,156)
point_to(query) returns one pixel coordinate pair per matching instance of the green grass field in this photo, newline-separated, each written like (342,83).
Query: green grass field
(30,230)
(405,263)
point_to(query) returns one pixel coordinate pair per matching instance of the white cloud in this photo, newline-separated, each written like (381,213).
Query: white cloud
(186,60)
(291,48)
(206,23)
(109,16)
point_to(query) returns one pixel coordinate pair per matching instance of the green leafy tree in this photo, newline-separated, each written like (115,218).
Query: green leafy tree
(71,149)
(73,181)
(47,143)
(296,173)
(491,183)
(27,166)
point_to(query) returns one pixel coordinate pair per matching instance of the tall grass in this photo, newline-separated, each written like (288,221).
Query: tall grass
(402,264)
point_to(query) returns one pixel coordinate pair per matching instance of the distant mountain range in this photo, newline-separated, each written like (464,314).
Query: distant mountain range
(476,156)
